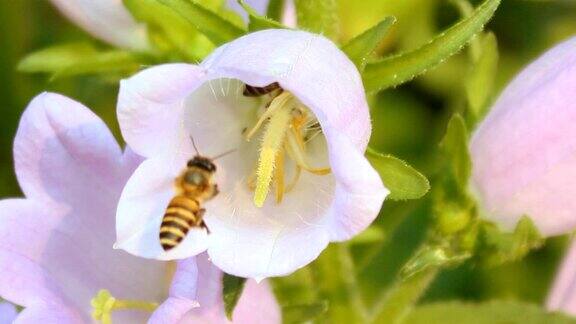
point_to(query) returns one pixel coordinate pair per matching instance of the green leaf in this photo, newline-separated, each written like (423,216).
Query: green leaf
(455,146)
(115,61)
(318,16)
(493,312)
(232,288)
(303,313)
(402,297)
(55,58)
(257,21)
(79,59)
(218,29)
(170,31)
(275,9)
(403,181)
(362,46)
(498,247)
(395,70)
(480,82)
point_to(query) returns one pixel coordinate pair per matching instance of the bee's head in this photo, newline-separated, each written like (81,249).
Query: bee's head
(203,163)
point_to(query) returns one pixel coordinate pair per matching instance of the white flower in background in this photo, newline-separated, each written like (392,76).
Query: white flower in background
(107,20)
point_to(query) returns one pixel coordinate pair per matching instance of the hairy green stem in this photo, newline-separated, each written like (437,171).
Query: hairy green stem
(397,302)
(351,284)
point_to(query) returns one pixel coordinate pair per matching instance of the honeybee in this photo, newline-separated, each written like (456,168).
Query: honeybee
(195,185)
(250,91)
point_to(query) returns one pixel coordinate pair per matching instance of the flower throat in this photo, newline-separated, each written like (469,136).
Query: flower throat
(289,126)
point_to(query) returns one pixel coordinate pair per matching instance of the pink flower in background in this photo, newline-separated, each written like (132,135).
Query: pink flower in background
(107,20)
(56,244)
(160,108)
(524,152)
(7,313)
(562,297)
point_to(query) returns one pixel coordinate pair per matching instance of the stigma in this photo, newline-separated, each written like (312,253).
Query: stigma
(288,126)
(104,304)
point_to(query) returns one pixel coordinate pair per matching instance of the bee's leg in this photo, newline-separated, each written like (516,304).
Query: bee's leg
(215,190)
(202,224)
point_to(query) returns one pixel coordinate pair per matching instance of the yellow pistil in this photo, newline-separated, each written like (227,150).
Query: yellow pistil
(287,124)
(104,304)
(271,143)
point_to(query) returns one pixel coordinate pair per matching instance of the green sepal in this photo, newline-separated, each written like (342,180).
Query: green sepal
(295,314)
(430,257)
(496,247)
(455,148)
(395,70)
(213,25)
(169,31)
(318,16)
(361,47)
(232,288)
(275,9)
(479,84)
(258,22)
(55,58)
(403,181)
(512,312)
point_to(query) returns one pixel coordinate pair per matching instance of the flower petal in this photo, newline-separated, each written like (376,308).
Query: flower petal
(308,65)
(563,294)
(153,98)
(182,294)
(523,153)
(23,234)
(7,313)
(140,211)
(257,304)
(106,19)
(359,192)
(49,313)
(56,134)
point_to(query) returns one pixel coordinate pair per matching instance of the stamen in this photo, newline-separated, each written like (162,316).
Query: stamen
(279,176)
(271,144)
(295,150)
(295,179)
(104,304)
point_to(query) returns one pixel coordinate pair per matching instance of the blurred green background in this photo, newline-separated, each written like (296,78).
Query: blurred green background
(408,122)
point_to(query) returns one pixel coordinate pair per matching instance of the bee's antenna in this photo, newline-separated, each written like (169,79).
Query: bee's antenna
(194,144)
(224,154)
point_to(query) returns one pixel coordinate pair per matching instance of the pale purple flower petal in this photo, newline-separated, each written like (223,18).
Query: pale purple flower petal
(56,245)
(524,152)
(257,304)
(7,313)
(160,108)
(259,5)
(107,20)
(563,294)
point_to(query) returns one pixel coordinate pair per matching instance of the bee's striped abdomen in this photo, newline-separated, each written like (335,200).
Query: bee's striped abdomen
(181,214)
(250,91)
